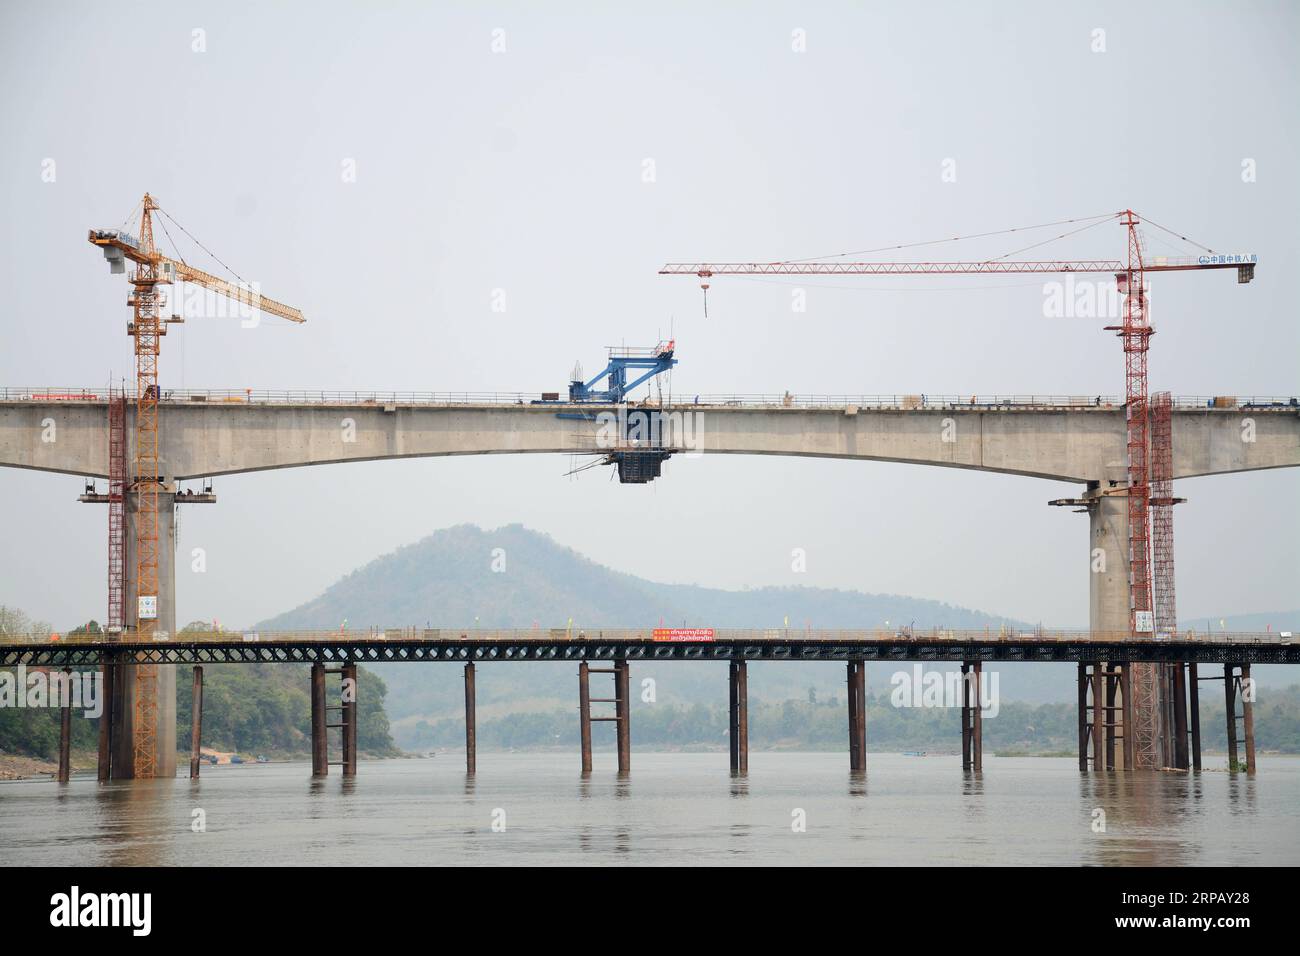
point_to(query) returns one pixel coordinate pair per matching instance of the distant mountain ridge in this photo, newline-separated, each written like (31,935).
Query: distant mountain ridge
(448,579)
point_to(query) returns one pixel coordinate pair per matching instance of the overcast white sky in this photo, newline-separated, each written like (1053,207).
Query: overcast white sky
(522,170)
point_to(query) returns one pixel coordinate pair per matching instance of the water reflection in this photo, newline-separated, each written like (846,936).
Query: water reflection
(857,783)
(1143,819)
(674,807)
(972,783)
(139,819)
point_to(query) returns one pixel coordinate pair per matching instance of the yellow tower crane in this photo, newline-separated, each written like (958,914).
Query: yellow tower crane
(146,481)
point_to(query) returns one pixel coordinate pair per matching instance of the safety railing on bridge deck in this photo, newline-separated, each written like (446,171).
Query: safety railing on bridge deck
(251,396)
(685,634)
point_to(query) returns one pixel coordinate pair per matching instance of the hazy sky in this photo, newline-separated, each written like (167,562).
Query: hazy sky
(524,169)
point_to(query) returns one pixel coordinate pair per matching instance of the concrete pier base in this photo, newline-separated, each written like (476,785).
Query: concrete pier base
(1141,700)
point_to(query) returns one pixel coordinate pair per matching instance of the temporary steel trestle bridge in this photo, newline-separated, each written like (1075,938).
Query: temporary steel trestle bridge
(1106,678)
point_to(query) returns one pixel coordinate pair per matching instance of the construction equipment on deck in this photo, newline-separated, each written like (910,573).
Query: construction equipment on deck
(636,448)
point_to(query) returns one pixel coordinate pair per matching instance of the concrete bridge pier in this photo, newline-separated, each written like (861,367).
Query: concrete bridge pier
(738,713)
(1141,706)
(124,683)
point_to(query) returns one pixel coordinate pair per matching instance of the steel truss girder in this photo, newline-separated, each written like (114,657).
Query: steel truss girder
(379,651)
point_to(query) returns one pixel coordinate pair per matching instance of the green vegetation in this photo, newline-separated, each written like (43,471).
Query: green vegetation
(34,731)
(1018,729)
(248,708)
(790,724)
(266,709)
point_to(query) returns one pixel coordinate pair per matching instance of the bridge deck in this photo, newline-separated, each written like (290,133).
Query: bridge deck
(191,396)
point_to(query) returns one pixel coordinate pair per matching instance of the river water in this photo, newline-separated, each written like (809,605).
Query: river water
(674,809)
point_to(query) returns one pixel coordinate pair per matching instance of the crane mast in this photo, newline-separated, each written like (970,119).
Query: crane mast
(145,486)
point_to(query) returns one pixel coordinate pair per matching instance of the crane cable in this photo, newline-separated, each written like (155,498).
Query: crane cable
(1046,241)
(200,245)
(980,235)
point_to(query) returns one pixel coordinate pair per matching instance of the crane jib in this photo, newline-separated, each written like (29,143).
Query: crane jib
(1155,264)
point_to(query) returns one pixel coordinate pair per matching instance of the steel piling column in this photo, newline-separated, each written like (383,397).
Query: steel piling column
(105,768)
(733,718)
(857,686)
(1230,708)
(977,718)
(1098,715)
(319,738)
(350,691)
(196,722)
(623,710)
(965,716)
(1083,717)
(65,728)
(851,684)
(1178,682)
(1248,717)
(471,729)
(1194,707)
(740,725)
(1112,710)
(1126,710)
(584,714)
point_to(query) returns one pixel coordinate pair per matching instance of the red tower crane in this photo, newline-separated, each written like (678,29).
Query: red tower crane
(1135,334)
